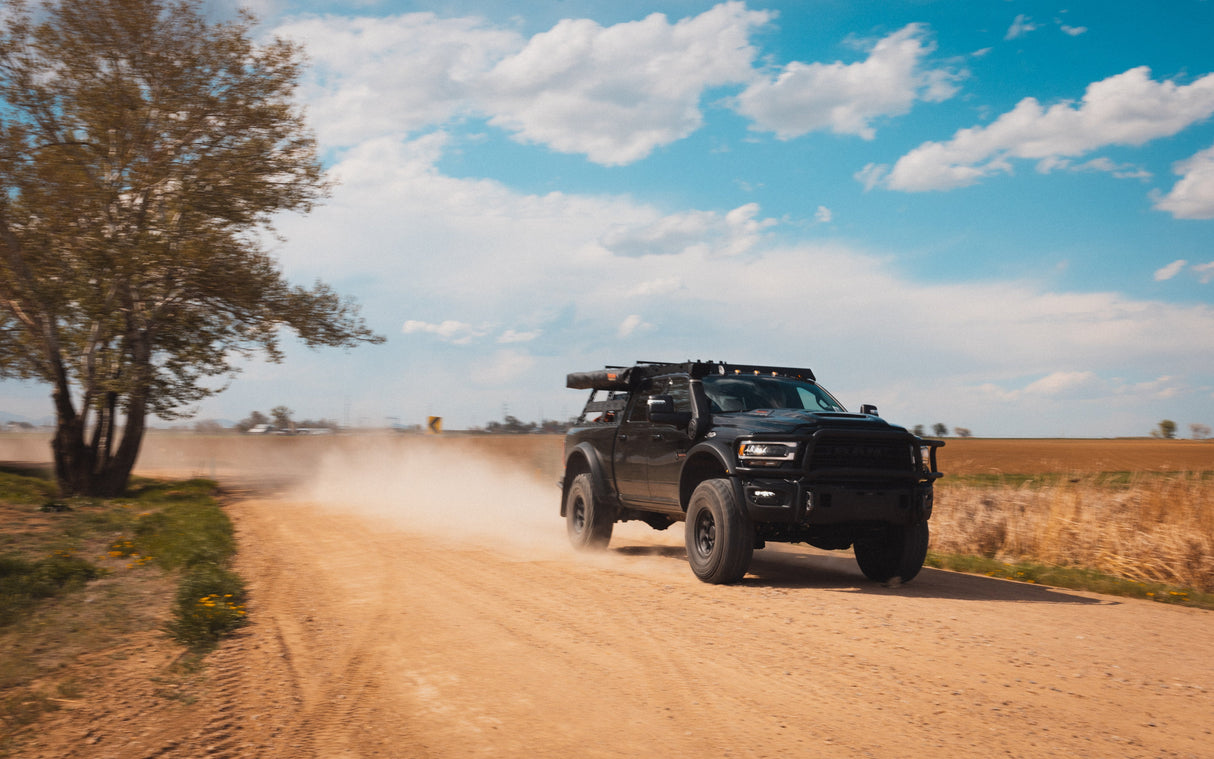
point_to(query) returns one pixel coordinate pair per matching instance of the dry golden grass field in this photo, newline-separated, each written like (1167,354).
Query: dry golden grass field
(1140,509)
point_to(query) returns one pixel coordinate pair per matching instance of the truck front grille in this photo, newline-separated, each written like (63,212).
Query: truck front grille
(861,454)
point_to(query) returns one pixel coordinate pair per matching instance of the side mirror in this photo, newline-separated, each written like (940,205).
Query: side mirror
(661,411)
(869,409)
(660,404)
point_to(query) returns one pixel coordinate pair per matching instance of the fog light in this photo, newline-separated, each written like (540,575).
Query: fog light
(809,502)
(767,497)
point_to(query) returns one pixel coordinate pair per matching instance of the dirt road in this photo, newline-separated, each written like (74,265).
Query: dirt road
(434,610)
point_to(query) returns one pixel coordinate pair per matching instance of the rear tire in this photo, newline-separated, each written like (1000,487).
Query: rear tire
(587,522)
(720,537)
(896,551)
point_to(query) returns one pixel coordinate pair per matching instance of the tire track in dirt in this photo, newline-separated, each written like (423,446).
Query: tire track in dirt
(316,630)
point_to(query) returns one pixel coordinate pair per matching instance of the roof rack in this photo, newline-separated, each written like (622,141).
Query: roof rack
(624,378)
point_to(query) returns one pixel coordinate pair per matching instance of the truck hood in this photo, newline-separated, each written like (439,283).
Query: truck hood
(794,422)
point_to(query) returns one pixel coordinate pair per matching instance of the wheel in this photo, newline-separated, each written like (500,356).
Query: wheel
(587,522)
(720,538)
(897,551)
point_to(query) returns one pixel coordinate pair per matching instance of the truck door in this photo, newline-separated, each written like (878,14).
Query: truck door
(630,455)
(668,446)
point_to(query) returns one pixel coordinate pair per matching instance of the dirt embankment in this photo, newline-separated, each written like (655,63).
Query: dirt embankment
(416,602)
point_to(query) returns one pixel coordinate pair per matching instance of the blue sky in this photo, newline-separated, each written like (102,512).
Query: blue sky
(996,215)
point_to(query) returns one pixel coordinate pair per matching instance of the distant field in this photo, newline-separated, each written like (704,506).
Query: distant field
(543,453)
(968,456)
(960,456)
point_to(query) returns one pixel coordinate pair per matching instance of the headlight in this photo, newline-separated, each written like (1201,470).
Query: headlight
(754,453)
(925,458)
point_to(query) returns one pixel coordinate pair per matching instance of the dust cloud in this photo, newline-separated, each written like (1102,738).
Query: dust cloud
(25,448)
(455,492)
(497,492)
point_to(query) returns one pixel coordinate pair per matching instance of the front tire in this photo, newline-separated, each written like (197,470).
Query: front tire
(896,551)
(587,521)
(720,537)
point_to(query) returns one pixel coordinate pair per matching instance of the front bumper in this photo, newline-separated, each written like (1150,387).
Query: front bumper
(802,501)
(846,476)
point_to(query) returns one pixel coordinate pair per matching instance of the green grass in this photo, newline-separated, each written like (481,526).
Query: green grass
(187,532)
(210,603)
(81,575)
(178,526)
(20,485)
(23,583)
(1072,578)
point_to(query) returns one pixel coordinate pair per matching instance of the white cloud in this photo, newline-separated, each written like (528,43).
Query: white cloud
(631,324)
(1205,272)
(872,175)
(1169,271)
(512,336)
(501,369)
(1162,387)
(616,93)
(450,330)
(612,93)
(703,231)
(823,215)
(1118,170)
(1193,196)
(663,286)
(395,75)
(1073,31)
(1021,26)
(848,98)
(1083,386)
(1126,109)
(1068,384)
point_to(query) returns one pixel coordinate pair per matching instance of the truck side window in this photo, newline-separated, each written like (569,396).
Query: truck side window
(680,390)
(640,408)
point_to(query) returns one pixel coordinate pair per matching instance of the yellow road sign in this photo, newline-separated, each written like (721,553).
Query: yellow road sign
(435,424)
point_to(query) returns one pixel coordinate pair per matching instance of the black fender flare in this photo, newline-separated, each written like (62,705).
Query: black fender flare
(594,465)
(706,455)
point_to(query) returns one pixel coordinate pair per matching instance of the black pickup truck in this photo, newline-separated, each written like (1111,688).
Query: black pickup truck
(743,455)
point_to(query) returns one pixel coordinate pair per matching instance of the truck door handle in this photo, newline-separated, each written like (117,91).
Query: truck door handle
(623,436)
(655,436)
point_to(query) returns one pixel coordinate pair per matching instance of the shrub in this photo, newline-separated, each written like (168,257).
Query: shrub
(23,582)
(210,603)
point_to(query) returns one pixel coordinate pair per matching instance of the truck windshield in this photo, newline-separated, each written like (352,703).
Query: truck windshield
(729,393)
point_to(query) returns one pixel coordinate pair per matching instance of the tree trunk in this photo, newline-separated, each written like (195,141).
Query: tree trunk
(79,467)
